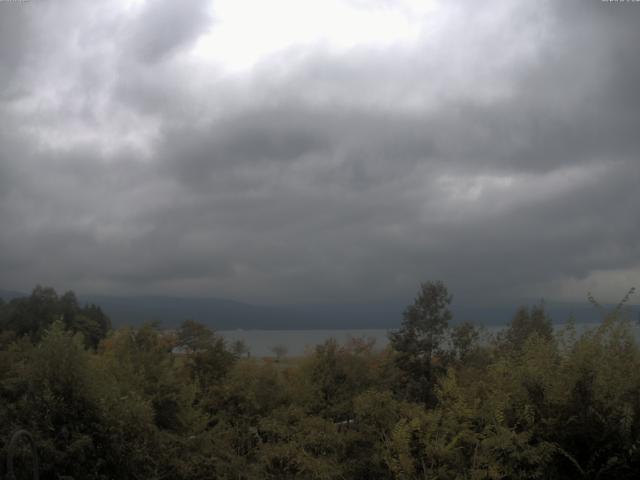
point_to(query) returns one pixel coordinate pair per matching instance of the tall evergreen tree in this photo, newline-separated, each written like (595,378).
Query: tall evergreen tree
(525,323)
(419,339)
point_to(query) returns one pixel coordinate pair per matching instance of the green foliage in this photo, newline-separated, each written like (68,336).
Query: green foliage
(31,316)
(82,426)
(535,404)
(294,445)
(617,310)
(525,323)
(420,338)
(465,341)
(333,376)
(195,336)
(206,357)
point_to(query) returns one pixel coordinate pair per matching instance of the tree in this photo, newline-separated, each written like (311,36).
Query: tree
(208,359)
(240,349)
(464,339)
(195,336)
(617,310)
(420,337)
(92,322)
(31,316)
(279,351)
(525,323)
(333,376)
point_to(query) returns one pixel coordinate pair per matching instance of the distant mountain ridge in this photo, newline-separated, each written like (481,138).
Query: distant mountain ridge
(10,294)
(223,314)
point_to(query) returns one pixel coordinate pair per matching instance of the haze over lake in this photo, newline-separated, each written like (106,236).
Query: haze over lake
(299,342)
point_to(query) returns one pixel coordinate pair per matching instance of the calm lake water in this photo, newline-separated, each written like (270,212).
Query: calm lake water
(297,342)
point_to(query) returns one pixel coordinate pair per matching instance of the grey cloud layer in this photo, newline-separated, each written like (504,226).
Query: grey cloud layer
(502,158)
(163,27)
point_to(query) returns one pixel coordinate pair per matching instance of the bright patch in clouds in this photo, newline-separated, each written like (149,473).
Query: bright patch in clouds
(246,31)
(608,286)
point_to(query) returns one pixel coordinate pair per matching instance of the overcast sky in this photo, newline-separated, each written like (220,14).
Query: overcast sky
(321,150)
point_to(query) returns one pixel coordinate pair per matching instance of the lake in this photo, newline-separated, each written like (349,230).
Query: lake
(297,342)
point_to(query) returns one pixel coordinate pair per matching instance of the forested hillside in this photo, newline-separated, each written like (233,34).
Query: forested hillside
(440,402)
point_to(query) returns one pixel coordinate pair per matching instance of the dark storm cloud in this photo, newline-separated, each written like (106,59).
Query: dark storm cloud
(347,148)
(502,158)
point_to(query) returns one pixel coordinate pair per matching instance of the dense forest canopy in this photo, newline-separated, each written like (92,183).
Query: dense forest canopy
(32,316)
(439,402)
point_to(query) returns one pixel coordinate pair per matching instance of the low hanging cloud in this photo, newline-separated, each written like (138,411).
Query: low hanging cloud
(493,145)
